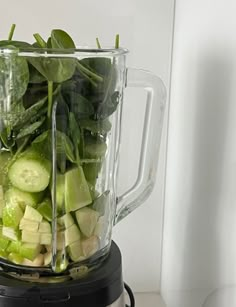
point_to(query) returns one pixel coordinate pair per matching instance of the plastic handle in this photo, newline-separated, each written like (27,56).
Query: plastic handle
(153,122)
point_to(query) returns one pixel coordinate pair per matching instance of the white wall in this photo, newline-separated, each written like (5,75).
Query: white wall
(200,229)
(145,28)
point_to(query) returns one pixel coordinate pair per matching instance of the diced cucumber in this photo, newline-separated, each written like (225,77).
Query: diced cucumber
(66,220)
(29,250)
(101,227)
(87,219)
(16,196)
(2,201)
(3,254)
(60,192)
(14,247)
(29,225)
(45,238)
(10,233)
(77,194)
(30,237)
(11,215)
(75,251)
(18,259)
(4,242)
(47,258)
(72,234)
(60,240)
(101,204)
(38,261)
(91,171)
(30,173)
(45,209)
(95,150)
(90,246)
(44,227)
(32,214)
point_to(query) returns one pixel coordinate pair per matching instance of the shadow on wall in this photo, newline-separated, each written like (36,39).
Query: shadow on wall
(201,263)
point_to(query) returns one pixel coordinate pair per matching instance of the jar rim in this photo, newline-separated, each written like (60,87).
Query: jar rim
(80,51)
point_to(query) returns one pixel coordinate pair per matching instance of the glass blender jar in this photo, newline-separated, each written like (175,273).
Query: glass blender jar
(60,127)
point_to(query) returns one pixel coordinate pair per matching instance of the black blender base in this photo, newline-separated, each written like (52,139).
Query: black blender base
(101,288)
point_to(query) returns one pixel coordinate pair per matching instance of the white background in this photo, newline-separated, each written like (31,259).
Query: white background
(200,218)
(145,28)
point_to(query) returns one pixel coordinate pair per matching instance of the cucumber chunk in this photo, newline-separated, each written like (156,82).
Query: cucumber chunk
(32,214)
(72,234)
(18,259)
(45,238)
(29,250)
(2,201)
(4,242)
(14,247)
(77,194)
(90,246)
(29,225)
(16,196)
(66,220)
(30,173)
(30,237)
(87,219)
(75,251)
(60,240)
(44,227)
(47,258)
(38,261)
(10,233)
(45,209)
(11,215)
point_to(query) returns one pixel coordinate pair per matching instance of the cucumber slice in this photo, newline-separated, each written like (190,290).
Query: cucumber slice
(66,220)
(29,250)
(45,209)
(30,237)
(44,227)
(90,246)
(2,202)
(10,233)
(18,259)
(77,194)
(87,219)
(72,234)
(30,173)
(11,215)
(16,196)
(14,247)
(75,251)
(29,225)
(32,214)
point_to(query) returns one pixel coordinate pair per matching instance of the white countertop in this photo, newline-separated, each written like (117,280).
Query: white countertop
(148,300)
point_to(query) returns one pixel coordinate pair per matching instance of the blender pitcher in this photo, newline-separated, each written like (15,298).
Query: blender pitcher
(60,127)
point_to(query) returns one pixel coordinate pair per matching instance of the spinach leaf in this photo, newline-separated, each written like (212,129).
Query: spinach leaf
(30,129)
(62,40)
(34,75)
(108,107)
(14,73)
(96,126)
(18,44)
(74,129)
(25,117)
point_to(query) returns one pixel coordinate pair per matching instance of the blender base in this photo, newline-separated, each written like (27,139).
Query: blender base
(102,287)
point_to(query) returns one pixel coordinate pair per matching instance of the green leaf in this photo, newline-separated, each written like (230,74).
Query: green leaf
(74,129)
(25,117)
(80,106)
(108,107)
(18,44)
(34,75)
(60,39)
(30,129)
(14,74)
(96,126)
(41,138)
(65,146)
(54,69)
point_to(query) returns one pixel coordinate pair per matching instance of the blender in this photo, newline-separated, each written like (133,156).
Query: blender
(60,128)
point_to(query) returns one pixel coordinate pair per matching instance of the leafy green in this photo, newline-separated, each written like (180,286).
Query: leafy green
(96,126)
(60,39)
(28,130)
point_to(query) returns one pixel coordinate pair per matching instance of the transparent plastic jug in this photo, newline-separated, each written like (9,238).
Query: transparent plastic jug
(60,128)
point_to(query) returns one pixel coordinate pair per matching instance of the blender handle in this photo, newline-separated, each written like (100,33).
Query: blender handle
(151,137)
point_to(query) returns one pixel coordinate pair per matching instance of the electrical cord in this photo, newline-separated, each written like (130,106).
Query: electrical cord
(131,296)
